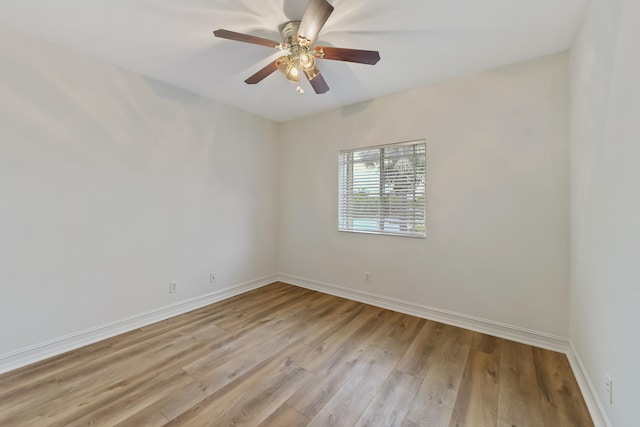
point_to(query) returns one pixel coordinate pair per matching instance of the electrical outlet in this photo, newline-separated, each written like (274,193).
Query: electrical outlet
(609,388)
(212,277)
(173,287)
(367,277)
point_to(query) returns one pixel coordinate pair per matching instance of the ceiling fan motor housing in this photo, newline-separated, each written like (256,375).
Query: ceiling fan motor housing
(289,32)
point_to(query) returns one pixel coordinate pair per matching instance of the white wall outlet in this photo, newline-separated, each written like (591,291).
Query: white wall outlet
(173,287)
(212,277)
(608,383)
(367,277)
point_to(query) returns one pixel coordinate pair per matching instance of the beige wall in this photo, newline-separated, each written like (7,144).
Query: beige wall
(112,185)
(497,197)
(605,204)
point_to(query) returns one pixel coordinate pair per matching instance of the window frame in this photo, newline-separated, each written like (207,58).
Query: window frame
(382,177)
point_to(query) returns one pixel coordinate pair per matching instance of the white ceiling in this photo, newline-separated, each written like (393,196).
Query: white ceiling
(420,41)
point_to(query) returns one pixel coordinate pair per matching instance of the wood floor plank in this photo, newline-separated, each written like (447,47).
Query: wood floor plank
(208,314)
(277,330)
(331,319)
(230,366)
(180,401)
(436,398)
(82,389)
(267,308)
(285,415)
(157,329)
(560,400)
(28,376)
(407,328)
(75,369)
(18,399)
(130,405)
(319,389)
(181,347)
(323,352)
(391,404)
(347,405)
(518,403)
(205,314)
(251,398)
(147,417)
(417,358)
(486,343)
(342,364)
(60,414)
(286,356)
(477,399)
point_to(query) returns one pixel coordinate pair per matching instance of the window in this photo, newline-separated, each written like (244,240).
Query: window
(382,189)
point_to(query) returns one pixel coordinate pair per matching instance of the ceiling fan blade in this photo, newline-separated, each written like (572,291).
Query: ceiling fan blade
(318,83)
(370,57)
(247,38)
(315,15)
(262,74)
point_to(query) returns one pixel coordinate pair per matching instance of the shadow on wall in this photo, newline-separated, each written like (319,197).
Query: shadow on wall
(355,109)
(165,91)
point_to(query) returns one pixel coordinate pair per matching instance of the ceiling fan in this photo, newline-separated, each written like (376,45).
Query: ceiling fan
(298,40)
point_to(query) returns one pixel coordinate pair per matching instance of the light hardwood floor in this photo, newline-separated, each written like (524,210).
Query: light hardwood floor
(285,356)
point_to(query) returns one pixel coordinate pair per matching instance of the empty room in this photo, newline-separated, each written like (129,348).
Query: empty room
(320,213)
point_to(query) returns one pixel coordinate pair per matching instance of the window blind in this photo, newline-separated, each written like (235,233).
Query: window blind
(382,189)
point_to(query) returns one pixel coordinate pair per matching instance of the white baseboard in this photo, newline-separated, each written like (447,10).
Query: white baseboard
(38,352)
(514,333)
(596,408)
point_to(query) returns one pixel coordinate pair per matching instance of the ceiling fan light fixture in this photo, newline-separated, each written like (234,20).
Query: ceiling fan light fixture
(287,66)
(293,75)
(307,61)
(283,64)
